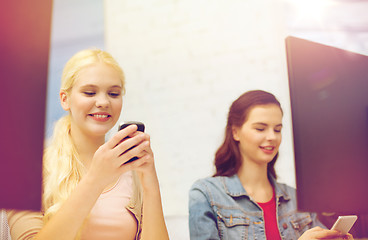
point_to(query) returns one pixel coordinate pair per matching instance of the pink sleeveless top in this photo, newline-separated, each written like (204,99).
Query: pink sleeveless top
(109,219)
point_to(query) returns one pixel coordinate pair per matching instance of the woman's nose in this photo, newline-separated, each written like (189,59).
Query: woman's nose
(102,101)
(271,135)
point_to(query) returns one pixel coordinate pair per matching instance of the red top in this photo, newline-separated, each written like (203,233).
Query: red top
(270,219)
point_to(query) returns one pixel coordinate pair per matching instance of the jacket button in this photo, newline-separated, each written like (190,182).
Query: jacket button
(285,226)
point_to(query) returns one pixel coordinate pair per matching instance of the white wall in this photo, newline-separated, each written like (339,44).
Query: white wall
(185,62)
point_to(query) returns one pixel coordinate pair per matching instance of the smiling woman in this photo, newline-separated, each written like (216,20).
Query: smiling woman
(95,99)
(243,200)
(89,192)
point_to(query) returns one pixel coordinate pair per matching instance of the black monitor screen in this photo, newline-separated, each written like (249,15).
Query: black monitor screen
(329,104)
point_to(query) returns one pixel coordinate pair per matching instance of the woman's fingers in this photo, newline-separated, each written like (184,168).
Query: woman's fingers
(120,136)
(129,144)
(320,233)
(126,144)
(349,236)
(139,151)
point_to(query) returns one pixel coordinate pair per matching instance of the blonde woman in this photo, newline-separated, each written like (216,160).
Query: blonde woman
(89,193)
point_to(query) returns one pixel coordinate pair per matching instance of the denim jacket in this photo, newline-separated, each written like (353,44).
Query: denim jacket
(220,208)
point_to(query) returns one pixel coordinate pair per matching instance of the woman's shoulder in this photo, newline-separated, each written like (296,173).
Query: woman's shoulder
(284,186)
(205,190)
(284,190)
(211,185)
(207,181)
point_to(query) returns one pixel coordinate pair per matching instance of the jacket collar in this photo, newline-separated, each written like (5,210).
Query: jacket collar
(234,188)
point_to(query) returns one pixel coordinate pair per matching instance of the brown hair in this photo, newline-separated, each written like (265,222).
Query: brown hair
(228,157)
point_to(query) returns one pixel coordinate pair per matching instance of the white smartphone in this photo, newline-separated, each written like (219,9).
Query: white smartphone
(344,223)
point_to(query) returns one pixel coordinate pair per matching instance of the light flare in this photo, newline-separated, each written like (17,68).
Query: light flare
(310,12)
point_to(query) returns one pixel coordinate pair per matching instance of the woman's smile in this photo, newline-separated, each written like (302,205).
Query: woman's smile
(100,117)
(268,149)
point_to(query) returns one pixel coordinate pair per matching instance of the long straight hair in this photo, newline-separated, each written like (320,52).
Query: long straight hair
(62,169)
(228,158)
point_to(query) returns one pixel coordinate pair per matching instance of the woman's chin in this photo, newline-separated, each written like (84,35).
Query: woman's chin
(101,131)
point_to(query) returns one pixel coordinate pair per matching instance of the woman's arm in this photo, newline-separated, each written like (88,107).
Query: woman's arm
(153,222)
(64,225)
(202,219)
(106,167)
(24,224)
(320,233)
(67,221)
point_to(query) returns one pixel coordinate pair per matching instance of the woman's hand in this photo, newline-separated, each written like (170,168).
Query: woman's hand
(144,165)
(108,161)
(142,151)
(320,233)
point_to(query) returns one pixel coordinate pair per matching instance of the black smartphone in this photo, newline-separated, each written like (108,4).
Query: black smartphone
(140,125)
(141,128)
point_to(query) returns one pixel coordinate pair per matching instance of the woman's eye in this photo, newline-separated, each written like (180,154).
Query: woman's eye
(277,130)
(260,129)
(114,94)
(89,93)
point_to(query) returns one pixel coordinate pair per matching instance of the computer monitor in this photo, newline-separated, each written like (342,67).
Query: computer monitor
(329,105)
(24,52)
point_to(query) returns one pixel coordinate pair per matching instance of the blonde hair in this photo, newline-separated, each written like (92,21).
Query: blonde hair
(62,168)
